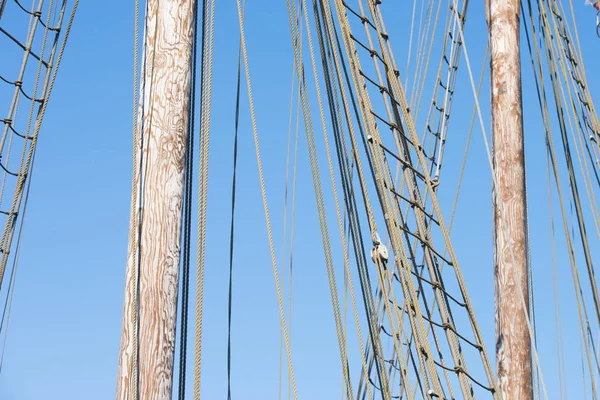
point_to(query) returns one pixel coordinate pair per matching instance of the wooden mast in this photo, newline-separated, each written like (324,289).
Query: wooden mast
(513,344)
(155,228)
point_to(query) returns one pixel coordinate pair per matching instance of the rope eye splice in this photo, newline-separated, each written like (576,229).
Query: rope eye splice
(379,252)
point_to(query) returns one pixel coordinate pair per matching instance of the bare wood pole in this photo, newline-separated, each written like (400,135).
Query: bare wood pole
(513,344)
(149,315)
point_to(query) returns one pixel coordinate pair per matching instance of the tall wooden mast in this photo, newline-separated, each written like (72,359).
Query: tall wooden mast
(149,316)
(513,344)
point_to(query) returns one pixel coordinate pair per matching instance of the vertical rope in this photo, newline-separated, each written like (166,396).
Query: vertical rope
(134,205)
(231,237)
(187,216)
(293,224)
(287,167)
(206,88)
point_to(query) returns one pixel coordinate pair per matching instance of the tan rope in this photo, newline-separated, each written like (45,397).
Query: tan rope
(134,235)
(408,285)
(557,314)
(397,217)
(287,173)
(372,225)
(265,204)
(208,37)
(7,234)
(581,307)
(457,354)
(318,189)
(425,70)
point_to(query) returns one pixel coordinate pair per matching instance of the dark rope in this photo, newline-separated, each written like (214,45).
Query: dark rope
(140,205)
(2,4)
(187,216)
(231,236)
(349,195)
(13,273)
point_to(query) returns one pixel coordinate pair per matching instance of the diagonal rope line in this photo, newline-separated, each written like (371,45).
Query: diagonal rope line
(265,205)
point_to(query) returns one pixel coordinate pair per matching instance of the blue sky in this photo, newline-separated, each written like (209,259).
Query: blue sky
(65,327)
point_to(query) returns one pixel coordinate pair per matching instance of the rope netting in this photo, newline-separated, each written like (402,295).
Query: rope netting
(32,39)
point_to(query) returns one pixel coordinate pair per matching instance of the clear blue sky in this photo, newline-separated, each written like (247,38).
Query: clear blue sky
(65,328)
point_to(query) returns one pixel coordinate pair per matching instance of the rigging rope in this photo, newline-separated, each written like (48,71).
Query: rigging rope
(13,275)
(231,234)
(582,310)
(372,326)
(445,109)
(187,213)
(293,224)
(410,40)
(28,147)
(265,205)
(572,180)
(378,165)
(285,201)
(467,146)
(408,287)
(9,292)
(423,49)
(563,31)
(317,181)
(208,14)
(398,145)
(335,119)
(351,206)
(25,175)
(372,224)
(577,76)
(425,69)
(322,114)
(557,315)
(135,232)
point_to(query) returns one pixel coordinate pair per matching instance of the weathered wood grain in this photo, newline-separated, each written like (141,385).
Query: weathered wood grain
(163,129)
(513,346)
